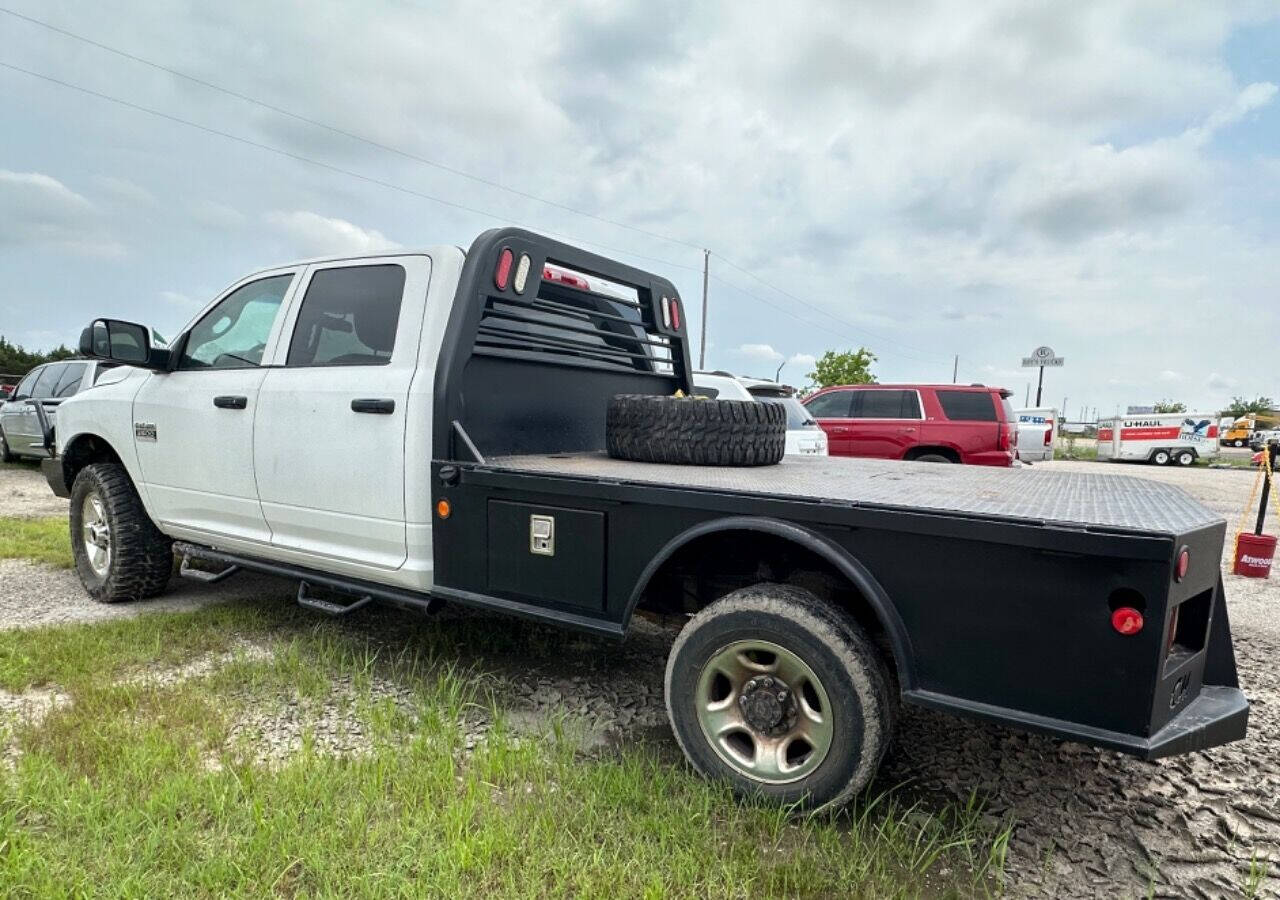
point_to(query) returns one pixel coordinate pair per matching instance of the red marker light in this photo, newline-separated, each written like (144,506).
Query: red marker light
(675,315)
(1127,620)
(1182,565)
(502,274)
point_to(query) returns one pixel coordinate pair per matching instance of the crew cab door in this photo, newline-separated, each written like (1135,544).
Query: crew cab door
(193,425)
(329,442)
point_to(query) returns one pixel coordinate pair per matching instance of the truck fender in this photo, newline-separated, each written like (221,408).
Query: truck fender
(845,563)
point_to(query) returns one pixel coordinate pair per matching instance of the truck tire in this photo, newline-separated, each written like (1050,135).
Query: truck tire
(119,553)
(781,695)
(1160,457)
(6,455)
(695,430)
(1184,457)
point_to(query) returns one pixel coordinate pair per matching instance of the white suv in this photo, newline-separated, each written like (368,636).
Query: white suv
(804,436)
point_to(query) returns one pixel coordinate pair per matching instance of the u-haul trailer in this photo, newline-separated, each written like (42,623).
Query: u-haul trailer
(1162,439)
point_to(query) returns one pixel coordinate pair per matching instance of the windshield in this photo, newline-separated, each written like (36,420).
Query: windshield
(798,417)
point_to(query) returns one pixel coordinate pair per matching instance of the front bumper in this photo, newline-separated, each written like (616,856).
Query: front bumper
(51,468)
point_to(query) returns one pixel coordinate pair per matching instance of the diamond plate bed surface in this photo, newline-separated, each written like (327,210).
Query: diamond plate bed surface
(1109,501)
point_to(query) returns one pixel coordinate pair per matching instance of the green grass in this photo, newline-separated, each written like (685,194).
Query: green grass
(115,789)
(42,540)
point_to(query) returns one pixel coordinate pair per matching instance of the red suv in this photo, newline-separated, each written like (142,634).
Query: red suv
(971,424)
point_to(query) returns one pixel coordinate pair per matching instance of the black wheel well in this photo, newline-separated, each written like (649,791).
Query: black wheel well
(917,452)
(711,565)
(85,450)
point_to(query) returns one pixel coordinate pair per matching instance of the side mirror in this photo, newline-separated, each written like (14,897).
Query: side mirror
(122,342)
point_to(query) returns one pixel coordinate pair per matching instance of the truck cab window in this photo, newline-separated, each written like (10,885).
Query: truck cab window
(348,317)
(234,333)
(69,383)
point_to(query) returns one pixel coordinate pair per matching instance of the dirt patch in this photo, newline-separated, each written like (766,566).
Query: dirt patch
(26,709)
(32,595)
(23,492)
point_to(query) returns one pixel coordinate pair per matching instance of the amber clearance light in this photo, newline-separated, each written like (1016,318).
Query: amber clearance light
(443,508)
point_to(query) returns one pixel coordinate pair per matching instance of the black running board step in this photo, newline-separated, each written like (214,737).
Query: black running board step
(328,607)
(186,570)
(399,597)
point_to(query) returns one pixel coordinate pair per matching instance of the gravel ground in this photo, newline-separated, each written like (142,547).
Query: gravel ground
(1088,822)
(23,492)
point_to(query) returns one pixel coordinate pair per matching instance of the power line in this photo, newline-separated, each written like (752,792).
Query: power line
(330,167)
(351,135)
(811,324)
(815,307)
(334,129)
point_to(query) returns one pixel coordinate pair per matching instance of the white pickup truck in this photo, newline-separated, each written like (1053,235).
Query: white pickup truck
(425,427)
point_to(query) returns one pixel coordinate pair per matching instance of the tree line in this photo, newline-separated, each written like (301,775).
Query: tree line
(17,360)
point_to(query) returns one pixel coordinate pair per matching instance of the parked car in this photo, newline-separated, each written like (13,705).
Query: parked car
(478,400)
(804,436)
(972,424)
(1036,431)
(21,432)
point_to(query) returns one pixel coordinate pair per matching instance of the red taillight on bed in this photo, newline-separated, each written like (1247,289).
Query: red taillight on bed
(502,274)
(675,315)
(1127,620)
(1182,564)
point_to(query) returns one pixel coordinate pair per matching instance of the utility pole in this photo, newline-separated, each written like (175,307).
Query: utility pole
(778,374)
(702,340)
(1040,387)
(1064,409)
(955,369)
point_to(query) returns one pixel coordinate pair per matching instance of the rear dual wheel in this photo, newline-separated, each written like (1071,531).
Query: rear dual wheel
(781,695)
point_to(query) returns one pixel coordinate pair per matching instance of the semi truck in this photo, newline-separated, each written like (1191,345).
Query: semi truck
(450,426)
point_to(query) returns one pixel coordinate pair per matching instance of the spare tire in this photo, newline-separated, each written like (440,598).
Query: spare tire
(695,430)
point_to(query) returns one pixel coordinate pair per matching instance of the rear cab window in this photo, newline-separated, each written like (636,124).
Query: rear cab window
(969,406)
(348,317)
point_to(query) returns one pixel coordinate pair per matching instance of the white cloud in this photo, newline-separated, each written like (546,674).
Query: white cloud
(1220,382)
(181,301)
(803,360)
(215,215)
(123,190)
(1170,375)
(760,353)
(316,235)
(39,210)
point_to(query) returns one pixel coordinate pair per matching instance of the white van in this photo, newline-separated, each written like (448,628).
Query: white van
(1159,438)
(1037,429)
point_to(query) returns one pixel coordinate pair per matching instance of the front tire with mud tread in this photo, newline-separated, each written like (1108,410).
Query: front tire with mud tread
(141,559)
(833,645)
(695,430)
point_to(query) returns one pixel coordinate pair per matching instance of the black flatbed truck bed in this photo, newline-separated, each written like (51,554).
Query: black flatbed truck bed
(991,590)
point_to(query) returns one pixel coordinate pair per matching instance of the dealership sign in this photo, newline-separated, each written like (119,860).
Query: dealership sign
(1042,357)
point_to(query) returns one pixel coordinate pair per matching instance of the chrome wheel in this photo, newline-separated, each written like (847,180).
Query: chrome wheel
(96,534)
(764,711)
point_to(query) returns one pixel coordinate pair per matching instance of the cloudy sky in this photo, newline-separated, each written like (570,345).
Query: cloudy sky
(925,179)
